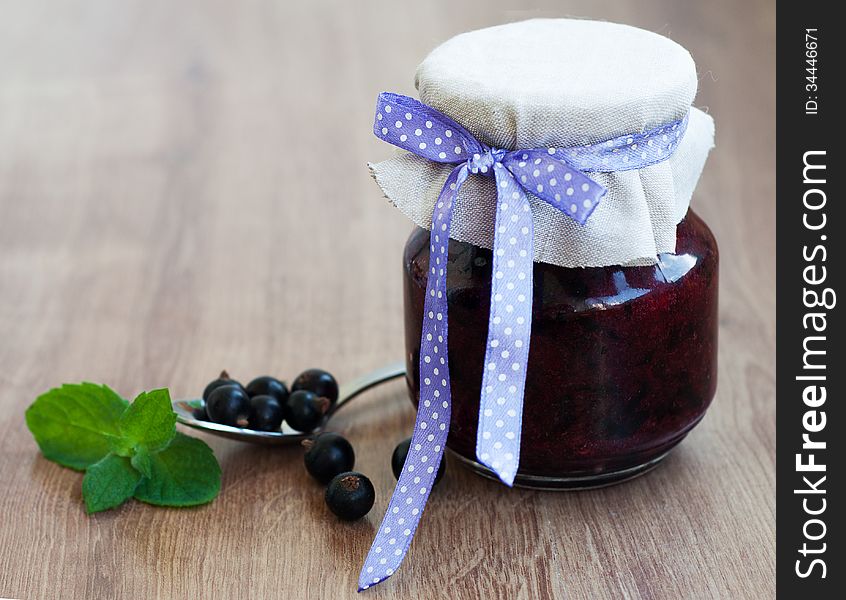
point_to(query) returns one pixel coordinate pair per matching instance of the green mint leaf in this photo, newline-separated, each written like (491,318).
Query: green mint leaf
(148,423)
(186,473)
(74,425)
(109,483)
(142,461)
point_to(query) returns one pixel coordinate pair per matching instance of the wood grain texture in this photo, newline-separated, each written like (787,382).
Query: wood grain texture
(168,208)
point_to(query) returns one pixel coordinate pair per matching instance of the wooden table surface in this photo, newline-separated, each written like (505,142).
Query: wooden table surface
(183,188)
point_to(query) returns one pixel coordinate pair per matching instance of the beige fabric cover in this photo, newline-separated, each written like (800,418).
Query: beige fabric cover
(562,82)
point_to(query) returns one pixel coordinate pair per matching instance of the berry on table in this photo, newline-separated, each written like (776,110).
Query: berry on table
(304,410)
(350,495)
(318,381)
(268,386)
(400,454)
(327,455)
(229,405)
(224,379)
(266,413)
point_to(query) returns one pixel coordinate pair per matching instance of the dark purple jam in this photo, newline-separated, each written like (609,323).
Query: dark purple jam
(622,361)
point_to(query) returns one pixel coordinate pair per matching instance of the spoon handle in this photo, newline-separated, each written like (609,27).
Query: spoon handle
(355,387)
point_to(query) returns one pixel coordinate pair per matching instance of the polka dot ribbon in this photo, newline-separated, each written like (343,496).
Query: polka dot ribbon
(556,176)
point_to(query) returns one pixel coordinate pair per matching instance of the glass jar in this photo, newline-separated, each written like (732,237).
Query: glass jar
(622,360)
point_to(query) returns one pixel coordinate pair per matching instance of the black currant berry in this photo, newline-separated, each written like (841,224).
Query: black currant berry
(200,413)
(224,379)
(350,495)
(398,460)
(327,455)
(318,381)
(266,413)
(229,405)
(268,386)
(304,410)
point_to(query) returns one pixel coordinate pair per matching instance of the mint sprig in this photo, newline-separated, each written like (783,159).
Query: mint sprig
(109,483)
(149,423)
(75,425)
(185,473)
(127,450)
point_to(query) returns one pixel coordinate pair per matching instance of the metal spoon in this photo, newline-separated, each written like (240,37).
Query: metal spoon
(184,410)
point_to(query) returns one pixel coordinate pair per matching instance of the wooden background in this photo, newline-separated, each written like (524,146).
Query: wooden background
(169,206)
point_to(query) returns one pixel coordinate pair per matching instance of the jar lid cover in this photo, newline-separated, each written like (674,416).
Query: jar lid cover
(558,82)
(562,83)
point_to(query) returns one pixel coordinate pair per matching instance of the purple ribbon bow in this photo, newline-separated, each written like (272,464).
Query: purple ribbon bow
(556,176)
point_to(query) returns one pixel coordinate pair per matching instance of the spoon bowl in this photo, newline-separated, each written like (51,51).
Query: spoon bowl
(185,411)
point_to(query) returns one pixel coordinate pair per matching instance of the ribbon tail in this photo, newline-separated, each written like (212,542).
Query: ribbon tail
(509,329)
(433,412)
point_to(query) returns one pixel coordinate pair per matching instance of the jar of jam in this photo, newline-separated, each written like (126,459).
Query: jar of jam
(520,122)
(622,360)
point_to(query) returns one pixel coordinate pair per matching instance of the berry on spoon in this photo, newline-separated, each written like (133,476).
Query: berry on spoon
(268,386)
(229,405)
(304,410)
(266,413)
(224,379)
(318,381)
